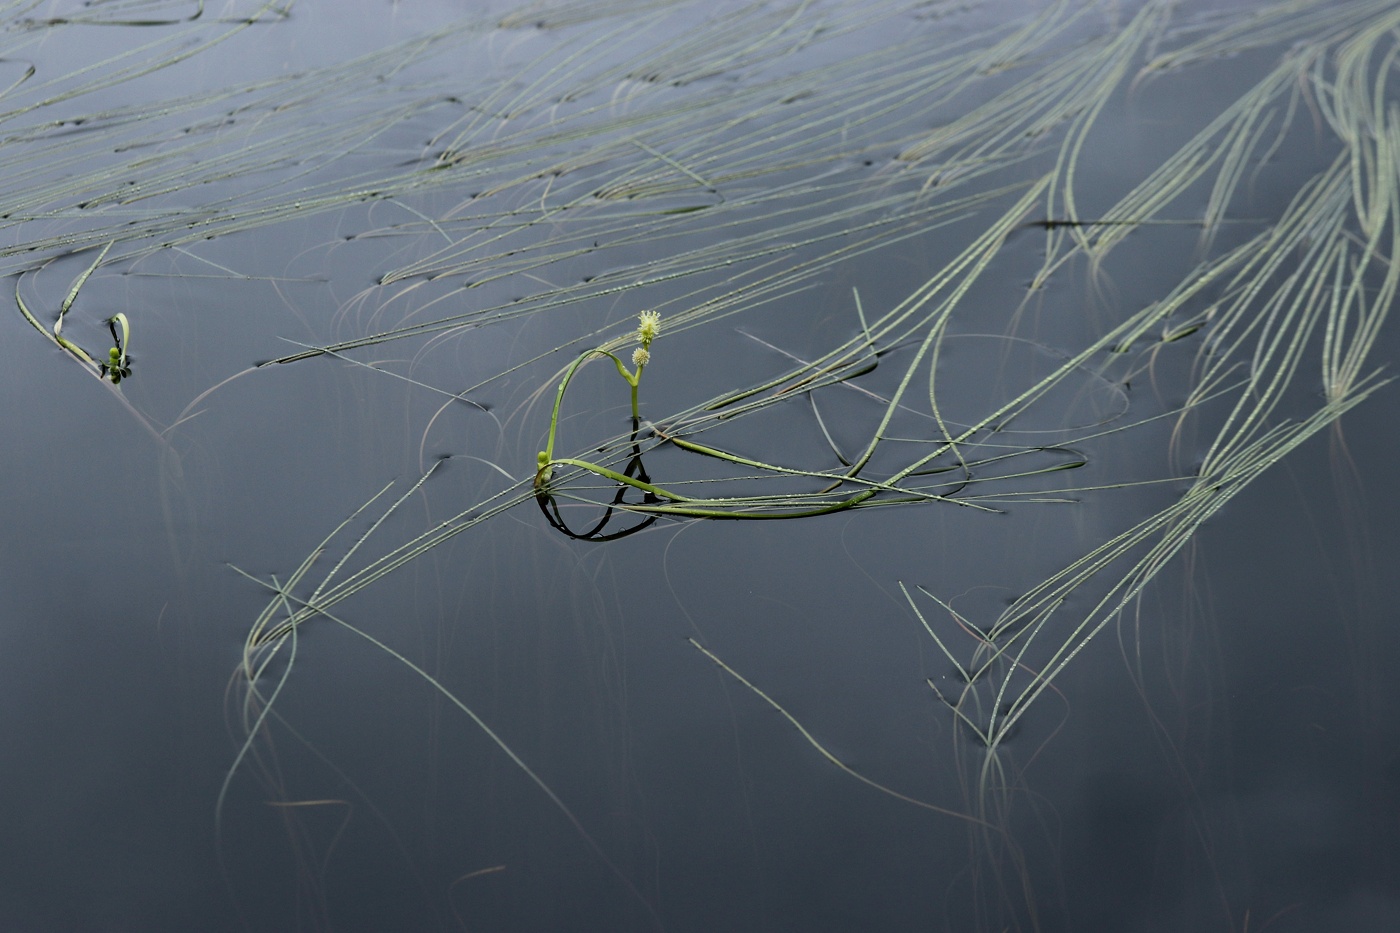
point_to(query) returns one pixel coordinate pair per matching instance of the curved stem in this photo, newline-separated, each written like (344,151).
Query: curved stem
(58,339)
(564,384)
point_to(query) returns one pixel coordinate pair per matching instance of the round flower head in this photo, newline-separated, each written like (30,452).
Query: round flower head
(640,357)
(648,326)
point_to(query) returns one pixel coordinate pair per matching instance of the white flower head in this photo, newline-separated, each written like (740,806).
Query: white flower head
(648,326)
(640,357)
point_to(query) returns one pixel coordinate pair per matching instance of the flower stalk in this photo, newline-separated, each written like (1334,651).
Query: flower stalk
(648,326)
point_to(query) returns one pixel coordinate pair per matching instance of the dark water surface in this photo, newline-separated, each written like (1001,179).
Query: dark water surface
(1223,755)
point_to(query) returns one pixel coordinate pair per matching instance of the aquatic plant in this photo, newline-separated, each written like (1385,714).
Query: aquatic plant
(762,165)
(1315,280)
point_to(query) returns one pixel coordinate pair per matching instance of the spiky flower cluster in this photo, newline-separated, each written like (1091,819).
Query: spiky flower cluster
(648,326)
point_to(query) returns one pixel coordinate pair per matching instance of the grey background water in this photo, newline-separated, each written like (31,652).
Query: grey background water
(1248,777)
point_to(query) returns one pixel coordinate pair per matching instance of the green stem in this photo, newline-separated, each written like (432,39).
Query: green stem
(689,512)
(564,384)
(58,339)
(688,507)
(622,478)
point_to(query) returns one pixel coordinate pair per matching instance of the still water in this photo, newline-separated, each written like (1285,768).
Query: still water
(915,232)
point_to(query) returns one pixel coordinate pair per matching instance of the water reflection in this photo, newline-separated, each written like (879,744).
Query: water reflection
(599,531)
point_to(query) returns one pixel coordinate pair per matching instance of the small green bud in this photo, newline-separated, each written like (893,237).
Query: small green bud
(114,354)
(544,472)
